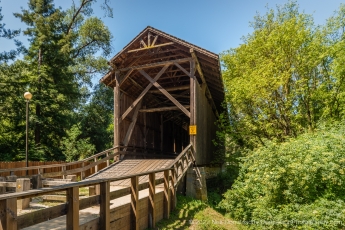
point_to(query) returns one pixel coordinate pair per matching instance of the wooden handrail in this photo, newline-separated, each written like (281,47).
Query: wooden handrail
(59,165)
(74,204)
(42,191)
(74,162)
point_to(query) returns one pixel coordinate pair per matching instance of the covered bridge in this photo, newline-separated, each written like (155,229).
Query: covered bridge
(167,94)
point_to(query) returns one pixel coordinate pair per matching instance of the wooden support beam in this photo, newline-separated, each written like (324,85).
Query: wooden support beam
(107,75)
(72,216)
(132,125)
(162,109)
(135,202)
(170,89)
(165,92)
(152,192)
(150,47)
(144,92)
(125,77)
(166,208)
(117,112)
(201,74)
(8,214)
(192,100)
(157,64)
(181,68)
(104,209)
(154,40)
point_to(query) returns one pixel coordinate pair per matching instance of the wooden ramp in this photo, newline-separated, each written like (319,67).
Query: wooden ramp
(131,166)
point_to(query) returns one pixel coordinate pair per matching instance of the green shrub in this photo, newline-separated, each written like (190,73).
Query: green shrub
(296,184)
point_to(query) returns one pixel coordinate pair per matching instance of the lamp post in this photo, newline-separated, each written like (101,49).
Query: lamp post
(28,97)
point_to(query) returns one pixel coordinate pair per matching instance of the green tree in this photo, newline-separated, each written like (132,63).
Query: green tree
(97,116)
(67,49)
(62,59)
(9,34)
(295,185)
(277,81)
(74,147)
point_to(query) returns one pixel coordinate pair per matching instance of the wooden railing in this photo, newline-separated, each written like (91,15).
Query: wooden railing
(140,217)
(85,164)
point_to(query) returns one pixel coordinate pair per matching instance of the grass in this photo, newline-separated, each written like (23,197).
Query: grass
(196,214)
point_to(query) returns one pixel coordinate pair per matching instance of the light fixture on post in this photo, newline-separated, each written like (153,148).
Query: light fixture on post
(28,97)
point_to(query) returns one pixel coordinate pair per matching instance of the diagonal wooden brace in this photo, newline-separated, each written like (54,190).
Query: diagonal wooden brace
(144,92)
(168,95)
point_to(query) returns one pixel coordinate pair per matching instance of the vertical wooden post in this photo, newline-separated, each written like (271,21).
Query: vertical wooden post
(72,217)
(135,202)
(64,172)
(116,114)
(23,184)
(173,187)
(108,163)
(166,213)
(8,214)
(152,192)
(82,173)
(162,134)
(96,166)
(104,210)
(192,100)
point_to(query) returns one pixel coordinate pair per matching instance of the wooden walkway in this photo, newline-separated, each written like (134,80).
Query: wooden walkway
(130,194)
(132,166)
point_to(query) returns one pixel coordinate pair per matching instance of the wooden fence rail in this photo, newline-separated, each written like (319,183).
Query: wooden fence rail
(141,214)
(6,168)
(81,168)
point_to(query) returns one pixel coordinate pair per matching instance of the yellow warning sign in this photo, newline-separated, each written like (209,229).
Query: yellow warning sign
(192,130)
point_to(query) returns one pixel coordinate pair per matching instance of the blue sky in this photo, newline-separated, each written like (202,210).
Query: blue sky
(214,25)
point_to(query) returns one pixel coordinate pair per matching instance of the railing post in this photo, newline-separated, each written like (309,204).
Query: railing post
(8,214)
(72,217)
(64,172)
(173,187)
(82,173)
(108,163)
(96,166)
(152,192)
(23,184)
(104,210)
(135,202)
(166,213)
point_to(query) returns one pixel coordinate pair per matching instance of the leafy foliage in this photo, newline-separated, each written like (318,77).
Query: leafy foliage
(96,118)
(286,76)
(76,148)
(9,34)
(63,57)
(299,180)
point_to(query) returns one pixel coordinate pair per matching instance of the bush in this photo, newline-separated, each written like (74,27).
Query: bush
(296,184)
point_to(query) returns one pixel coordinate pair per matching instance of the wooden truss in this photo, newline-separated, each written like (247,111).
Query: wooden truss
(153,81)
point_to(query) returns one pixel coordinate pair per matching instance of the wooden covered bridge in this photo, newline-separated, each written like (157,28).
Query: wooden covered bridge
(167,96)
